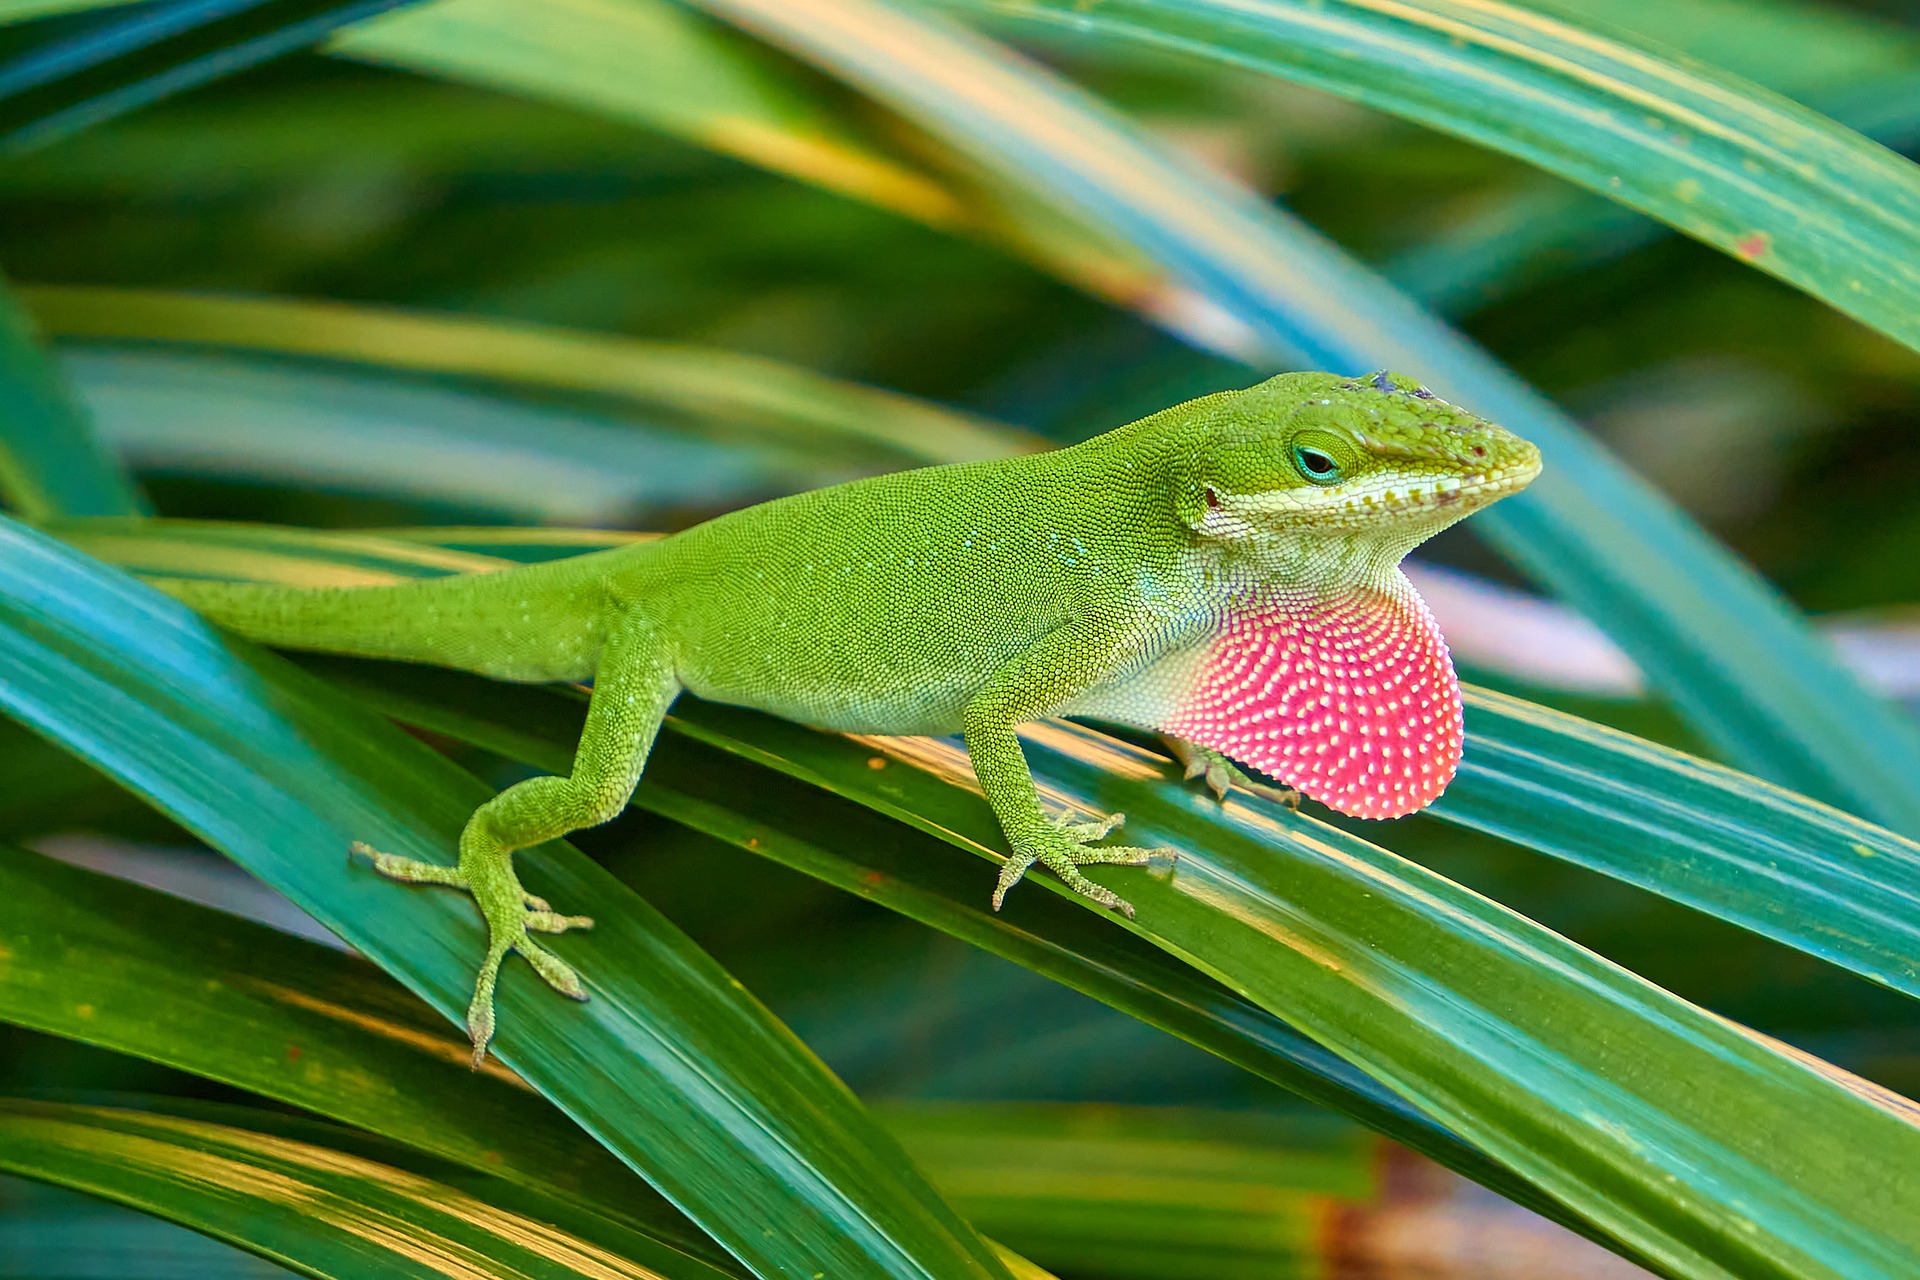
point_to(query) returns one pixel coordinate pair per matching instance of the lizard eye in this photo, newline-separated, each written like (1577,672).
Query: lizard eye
(1317,467)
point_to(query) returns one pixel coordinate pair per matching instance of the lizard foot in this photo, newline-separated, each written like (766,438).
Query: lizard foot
(512,916)
(1062,849)
(1223,775)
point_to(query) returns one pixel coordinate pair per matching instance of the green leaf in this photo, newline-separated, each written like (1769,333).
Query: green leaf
(1786,867)
(1791,47)
(1729,653)
(87,956)
(1722,159)
(50,462)
(758,1144)
(696,385)
(1682,1137)
(26,10)
(309,1206)
(102,960)
(203,414)
(696,82)
(142,973)
(1151,1192)
(652,63)
(1860,72)
(1172,1193)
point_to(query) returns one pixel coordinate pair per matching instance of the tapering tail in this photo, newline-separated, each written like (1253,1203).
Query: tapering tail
(537,623)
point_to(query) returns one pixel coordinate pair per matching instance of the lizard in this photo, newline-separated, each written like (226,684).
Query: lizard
(1224,572)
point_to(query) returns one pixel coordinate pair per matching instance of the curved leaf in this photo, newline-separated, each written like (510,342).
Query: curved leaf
(51,464)
(1726,650)
(1688,1140)
(188,411)
(1858,71)
(316,1209)
(281,775)
(1176,1193)
(694,83)
(97,959)
(103,961)
(651,62)
(785,402)
(27,10)
(1728,162)
(122,62)
(1786,867)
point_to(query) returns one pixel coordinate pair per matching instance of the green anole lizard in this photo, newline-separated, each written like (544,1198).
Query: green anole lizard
(1225,572)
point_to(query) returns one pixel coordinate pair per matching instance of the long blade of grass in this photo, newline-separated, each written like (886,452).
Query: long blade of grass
(1861,72)
(1726,650)
(445,450)
(670,1065)
(786,403)
(307,1205)
(1722,159)
(1498,1029)
(1788,868)
(51,463)
(1175,1193)
(651,62)
(125,61)
(696,83)
(101,960)
(136,971)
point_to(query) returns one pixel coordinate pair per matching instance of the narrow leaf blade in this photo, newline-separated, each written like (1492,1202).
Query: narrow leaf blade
(670,1064)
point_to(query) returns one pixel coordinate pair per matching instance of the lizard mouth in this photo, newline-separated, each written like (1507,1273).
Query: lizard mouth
(1482,487)
(1476,489)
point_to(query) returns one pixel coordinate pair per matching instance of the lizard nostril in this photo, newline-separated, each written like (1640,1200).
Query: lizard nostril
(1479,451)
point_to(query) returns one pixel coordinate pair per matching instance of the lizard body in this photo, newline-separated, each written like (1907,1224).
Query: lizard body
(1225,571)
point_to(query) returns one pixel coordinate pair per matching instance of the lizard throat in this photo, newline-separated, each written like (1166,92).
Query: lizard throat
(1352,699)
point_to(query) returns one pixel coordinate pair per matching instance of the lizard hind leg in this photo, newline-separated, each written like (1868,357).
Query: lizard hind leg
(1223,775)
(632,691)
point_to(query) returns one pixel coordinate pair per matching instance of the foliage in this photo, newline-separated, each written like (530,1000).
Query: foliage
(472,282)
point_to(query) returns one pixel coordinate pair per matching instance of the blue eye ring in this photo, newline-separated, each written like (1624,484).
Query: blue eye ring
(1316,466)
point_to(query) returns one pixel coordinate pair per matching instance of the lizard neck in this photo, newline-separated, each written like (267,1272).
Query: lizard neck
(1296,571)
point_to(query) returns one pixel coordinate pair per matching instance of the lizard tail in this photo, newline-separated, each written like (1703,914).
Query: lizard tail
(542,622)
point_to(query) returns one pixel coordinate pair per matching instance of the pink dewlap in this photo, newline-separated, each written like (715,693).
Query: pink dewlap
(1352,701)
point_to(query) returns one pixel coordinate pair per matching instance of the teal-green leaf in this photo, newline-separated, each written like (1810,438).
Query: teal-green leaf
(307,1205)
(133,970)
(50,462)
(1786,867)
(652,63)
(1722,159)
(670,1064)
(742,394)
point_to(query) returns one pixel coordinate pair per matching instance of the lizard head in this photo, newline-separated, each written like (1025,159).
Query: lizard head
(1377,463)
(1330,673)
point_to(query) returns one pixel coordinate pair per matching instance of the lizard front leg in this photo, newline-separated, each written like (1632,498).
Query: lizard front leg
(632,689)
(1060,665)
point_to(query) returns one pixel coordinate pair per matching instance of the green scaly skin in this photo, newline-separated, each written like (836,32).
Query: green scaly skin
(967,598)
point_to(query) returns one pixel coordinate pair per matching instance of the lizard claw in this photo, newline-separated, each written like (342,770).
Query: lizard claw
(1223,775)
(1062,849)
